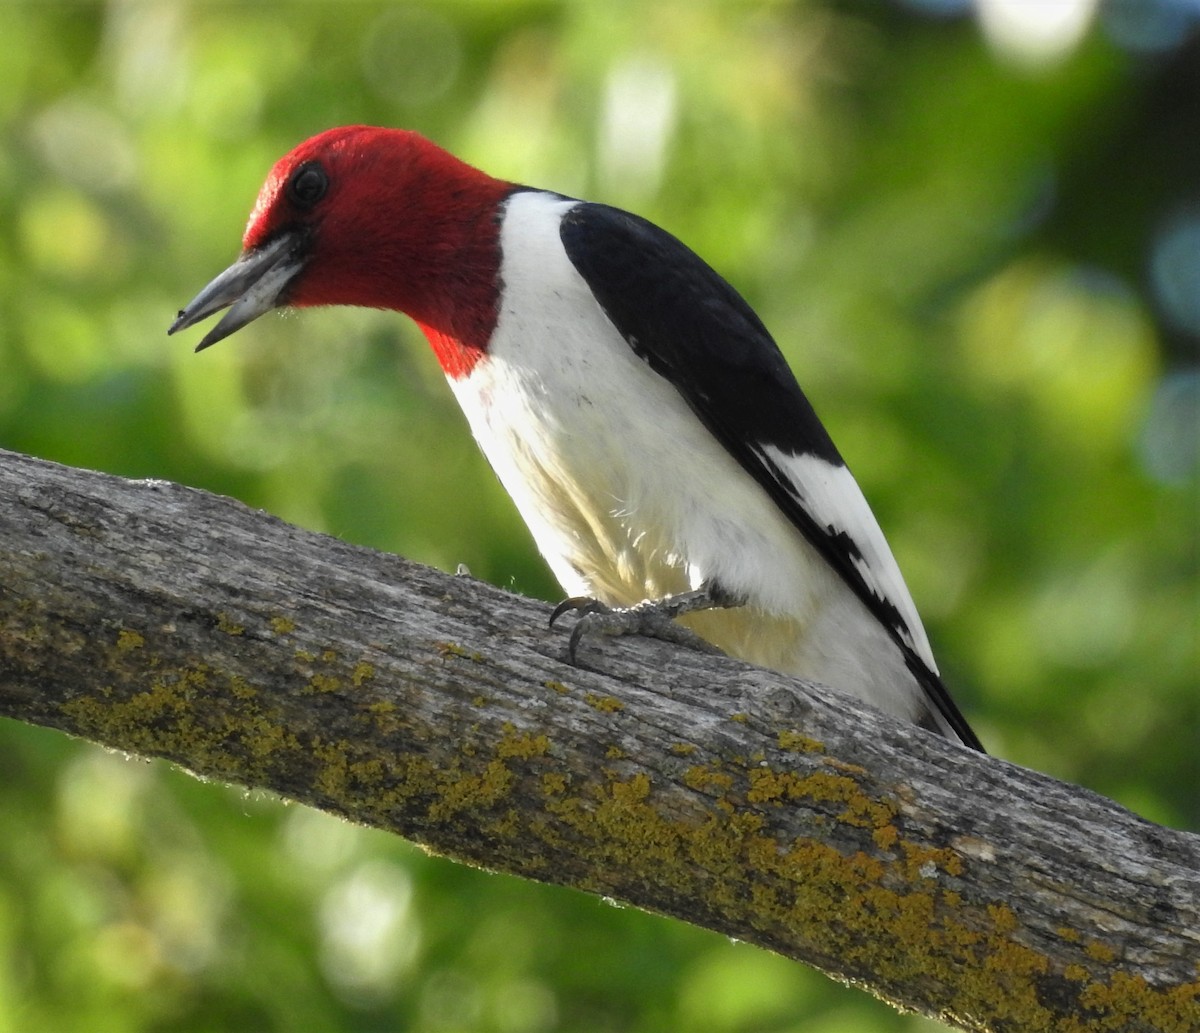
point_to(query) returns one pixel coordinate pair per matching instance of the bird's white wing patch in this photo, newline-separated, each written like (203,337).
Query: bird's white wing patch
(832,495)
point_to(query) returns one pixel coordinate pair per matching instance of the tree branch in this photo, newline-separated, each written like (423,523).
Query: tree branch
(172,623)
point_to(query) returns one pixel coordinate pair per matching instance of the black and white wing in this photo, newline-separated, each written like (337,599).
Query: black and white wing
(696,331)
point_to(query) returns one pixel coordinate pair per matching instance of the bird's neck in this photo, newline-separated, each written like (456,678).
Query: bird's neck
(457,355)
(453,292)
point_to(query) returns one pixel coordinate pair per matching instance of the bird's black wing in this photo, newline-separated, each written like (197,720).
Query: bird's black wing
(695,330)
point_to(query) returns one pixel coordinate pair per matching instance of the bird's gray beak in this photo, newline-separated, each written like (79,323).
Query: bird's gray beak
(254,284)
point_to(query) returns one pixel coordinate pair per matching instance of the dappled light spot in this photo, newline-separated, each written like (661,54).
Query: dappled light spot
(1034,33)
(1175,268)
(317,844)
(939,8)
(1170,439)
(636,124)
(226,102)
(69,237)
(411,55)
(1083,616)
(60,341)
(146,46)
(1150,26)
(1075,341)
(85,144)
(451,1000)
(369,936)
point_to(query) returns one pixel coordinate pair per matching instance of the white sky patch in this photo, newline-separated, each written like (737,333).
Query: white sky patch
(637,123)
(368,933)
(1035,32)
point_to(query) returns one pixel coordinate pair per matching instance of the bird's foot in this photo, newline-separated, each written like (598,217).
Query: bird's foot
(653,618)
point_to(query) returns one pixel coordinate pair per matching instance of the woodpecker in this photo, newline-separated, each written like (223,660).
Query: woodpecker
(633,405)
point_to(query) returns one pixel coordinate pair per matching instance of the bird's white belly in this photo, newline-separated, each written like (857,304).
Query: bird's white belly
(627,494)
(633,502)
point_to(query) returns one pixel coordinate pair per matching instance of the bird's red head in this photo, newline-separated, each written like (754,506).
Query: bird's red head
(373,217)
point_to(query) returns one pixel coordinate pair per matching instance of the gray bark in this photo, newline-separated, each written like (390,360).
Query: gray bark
(172,623)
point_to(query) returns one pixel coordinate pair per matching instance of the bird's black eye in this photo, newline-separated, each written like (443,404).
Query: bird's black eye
(307,185)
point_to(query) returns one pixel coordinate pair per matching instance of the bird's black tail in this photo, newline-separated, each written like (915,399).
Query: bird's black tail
(942,714)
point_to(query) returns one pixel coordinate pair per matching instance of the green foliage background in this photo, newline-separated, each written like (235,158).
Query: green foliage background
(957,251)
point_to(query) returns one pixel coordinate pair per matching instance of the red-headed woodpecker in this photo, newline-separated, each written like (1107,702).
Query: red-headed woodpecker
(630,401)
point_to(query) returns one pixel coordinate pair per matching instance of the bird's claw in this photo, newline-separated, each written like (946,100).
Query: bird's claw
(650,619)
(581,604)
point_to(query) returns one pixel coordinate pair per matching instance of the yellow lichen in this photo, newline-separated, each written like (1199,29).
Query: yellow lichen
(1002,918)
(128,639)
(471,791)
(1125,997)
(702,778)
(554,783)
(226,624)
(605,704)
(241,688)
(522,745)
(363,673)
(454,649)
(282,625)
(338,776)
(171,718)
(508,825)
(857,770)
(769,786)
(683,749)
(794,742)
(921,861)
(885,836)
(324,683)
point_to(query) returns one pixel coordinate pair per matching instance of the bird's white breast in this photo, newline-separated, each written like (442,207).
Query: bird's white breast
(630,497)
